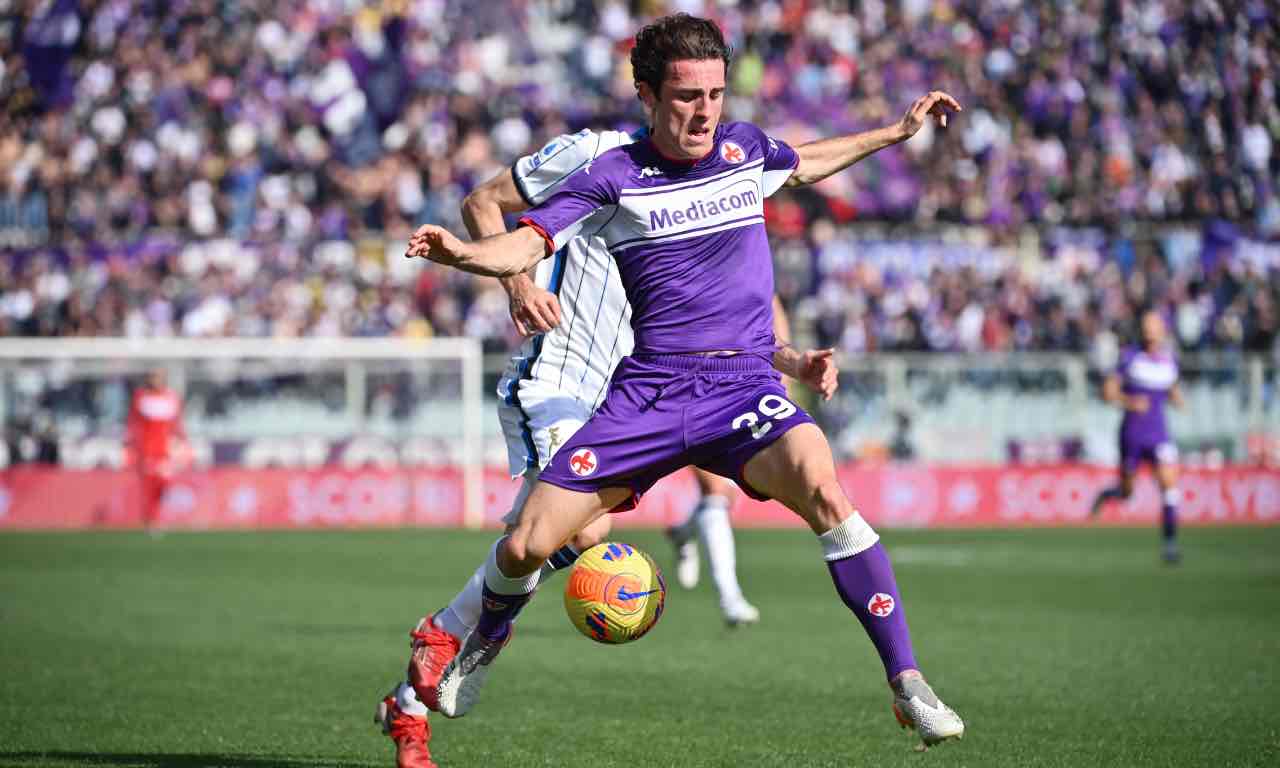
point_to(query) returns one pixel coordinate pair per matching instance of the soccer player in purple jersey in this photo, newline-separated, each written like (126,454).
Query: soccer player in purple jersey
(1145,379)
(682,213)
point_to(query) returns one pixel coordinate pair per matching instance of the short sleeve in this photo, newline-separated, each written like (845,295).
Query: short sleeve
(780,161)
(559,217)
(538,175)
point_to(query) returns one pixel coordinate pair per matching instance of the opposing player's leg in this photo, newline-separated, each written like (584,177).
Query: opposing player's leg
(404,719)
(683,538)
(550,518)
(710,520)
(798,470)
(1167,477)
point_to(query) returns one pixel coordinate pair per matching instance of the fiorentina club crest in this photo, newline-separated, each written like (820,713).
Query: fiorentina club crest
(583,462)
(732,153)
(880,605)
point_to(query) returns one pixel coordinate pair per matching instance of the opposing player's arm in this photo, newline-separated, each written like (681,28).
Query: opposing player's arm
(822,158)
(533,310)
(815,367)
(1175,397)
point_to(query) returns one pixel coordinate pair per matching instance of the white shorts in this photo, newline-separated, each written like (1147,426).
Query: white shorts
(544,420)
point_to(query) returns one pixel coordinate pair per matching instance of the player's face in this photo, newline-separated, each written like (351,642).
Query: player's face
(687,111)
(1152,329)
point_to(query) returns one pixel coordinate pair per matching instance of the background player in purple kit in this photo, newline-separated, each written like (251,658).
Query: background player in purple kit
(1145,379)
(682,212)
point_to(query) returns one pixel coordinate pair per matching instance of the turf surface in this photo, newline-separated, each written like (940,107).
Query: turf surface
(1060,648)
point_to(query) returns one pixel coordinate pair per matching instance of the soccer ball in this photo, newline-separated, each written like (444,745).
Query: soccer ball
(614,593)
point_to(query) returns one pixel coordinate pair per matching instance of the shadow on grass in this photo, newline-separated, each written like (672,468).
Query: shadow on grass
(166,760)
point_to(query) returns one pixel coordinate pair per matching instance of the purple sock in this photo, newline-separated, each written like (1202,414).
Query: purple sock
(1169,521)
(866,584)
(497,612)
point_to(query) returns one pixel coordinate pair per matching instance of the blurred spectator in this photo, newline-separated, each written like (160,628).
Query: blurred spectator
(313,135)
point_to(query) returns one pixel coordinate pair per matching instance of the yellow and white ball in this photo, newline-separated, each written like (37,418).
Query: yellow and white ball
(614,593)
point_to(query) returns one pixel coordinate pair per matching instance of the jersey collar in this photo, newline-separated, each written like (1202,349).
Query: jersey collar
(682,162)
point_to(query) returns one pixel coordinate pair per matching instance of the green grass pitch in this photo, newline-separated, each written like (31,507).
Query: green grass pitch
(249,650)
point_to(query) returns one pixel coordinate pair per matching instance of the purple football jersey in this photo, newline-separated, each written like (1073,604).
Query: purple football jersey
(688,237)
(1152,375)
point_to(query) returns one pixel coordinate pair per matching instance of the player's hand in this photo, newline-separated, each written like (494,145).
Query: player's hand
(818,371)
(1137,403)
(436,244)
(936,103)
(533,310)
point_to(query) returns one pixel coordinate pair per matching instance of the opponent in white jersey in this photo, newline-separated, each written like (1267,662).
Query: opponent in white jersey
(558,378)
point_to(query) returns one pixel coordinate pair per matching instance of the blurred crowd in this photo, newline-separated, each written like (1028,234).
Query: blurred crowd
(197,167)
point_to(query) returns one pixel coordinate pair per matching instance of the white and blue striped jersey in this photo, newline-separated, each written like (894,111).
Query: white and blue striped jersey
(575,359)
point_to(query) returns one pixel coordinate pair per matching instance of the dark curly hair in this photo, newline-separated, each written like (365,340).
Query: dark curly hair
(675,38)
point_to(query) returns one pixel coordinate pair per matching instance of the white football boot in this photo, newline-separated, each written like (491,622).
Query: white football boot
(687,566)
(740,613)
(462,679)
(916,706)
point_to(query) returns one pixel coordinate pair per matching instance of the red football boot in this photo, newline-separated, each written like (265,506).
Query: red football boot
(411,734)
(432,650)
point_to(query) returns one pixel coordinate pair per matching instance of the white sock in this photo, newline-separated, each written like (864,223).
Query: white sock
(847,539)
(463,612)
(408,702)
(501,583)
(688,528)
(717,536)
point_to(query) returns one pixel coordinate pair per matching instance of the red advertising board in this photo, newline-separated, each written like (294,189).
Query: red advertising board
(891,496)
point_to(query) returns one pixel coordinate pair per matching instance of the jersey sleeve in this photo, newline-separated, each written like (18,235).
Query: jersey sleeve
(780,161)
(559,217)
(538,175)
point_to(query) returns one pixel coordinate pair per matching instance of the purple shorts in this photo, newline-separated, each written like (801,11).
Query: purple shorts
(1136,449)
(665,412)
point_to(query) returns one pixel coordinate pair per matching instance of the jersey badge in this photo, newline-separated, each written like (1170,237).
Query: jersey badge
(732,153)
(583,462)
(880,605)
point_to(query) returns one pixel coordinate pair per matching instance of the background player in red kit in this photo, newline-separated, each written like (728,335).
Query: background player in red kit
(155,418)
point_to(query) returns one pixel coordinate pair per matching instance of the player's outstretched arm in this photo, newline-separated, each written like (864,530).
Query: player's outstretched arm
(533,310)
(820,159)
(509,253)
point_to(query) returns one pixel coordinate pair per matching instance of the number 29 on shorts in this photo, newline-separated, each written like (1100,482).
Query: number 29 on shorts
(771,408)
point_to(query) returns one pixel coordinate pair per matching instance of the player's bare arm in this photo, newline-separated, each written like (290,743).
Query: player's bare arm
(822,158)
(1175,397)
(533,310)
(816,368)
(504,255)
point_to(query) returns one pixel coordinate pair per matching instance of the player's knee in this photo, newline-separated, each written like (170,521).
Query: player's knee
(525,552)
(828,505)
(589,538)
